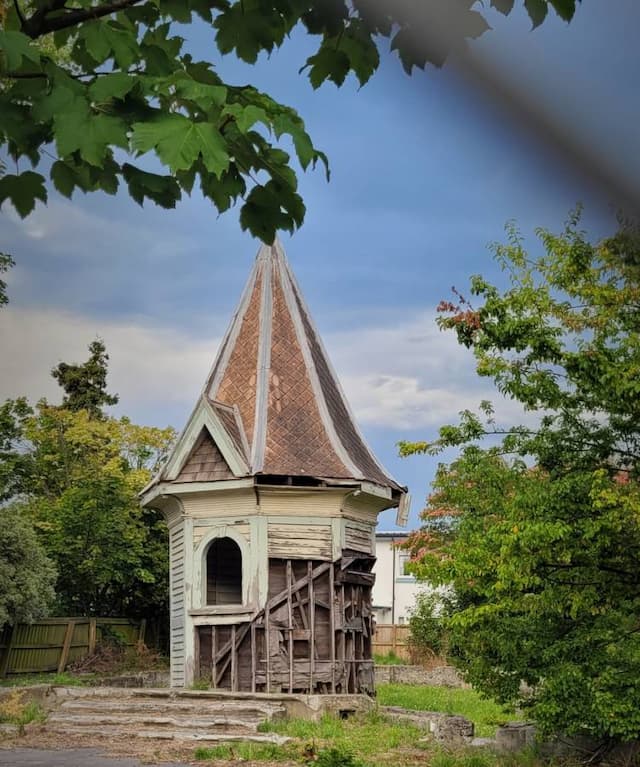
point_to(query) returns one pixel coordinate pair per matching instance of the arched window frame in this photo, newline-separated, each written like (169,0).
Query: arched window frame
(200,590)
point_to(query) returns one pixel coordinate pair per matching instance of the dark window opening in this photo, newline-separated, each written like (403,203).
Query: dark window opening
(224,573)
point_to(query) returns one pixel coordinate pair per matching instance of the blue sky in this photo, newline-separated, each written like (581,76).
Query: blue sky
(425,173)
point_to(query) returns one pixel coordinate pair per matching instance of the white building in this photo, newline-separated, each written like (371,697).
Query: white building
(395,590)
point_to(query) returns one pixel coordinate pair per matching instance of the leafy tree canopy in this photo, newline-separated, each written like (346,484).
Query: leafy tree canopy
(26,573)
(75,473)
(543,545)
(85,385)
(98,84)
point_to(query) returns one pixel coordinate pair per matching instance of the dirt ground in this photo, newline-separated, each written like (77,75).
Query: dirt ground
(133,751)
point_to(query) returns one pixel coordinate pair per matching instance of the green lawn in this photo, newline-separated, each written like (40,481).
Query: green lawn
(485,714)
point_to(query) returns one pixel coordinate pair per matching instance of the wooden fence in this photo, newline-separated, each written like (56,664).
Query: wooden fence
(51,644)
(391,638)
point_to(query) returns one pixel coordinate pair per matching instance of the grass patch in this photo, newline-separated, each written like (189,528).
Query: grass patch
(369,740)
(370,737)
(485,714)
(64,679)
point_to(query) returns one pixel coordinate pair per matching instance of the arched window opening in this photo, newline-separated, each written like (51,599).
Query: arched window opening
(224,573)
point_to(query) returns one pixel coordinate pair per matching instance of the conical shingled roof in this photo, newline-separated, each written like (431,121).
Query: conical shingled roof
(273,368)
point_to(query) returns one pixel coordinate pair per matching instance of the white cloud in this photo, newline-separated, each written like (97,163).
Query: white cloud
(409,375)
(148,367)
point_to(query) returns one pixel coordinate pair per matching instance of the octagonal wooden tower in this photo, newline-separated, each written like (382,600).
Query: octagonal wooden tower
(271,496)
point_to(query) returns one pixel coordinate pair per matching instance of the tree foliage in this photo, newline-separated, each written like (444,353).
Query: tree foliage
(543,545)
(76,474)
(27,575)
(124,87)
(85,385)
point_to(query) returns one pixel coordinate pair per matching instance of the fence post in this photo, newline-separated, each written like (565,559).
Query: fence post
(394,638)
(64,656)
(93,633)
(142,631)
(7,652)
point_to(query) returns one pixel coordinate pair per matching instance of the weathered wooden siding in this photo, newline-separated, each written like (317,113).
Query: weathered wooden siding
(296,541)
(304,503)
(234,503)
(202,528)
(177,615)
(359,536)
(363,508)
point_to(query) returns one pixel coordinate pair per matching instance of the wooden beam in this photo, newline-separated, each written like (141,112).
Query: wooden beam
(266,646)
(312,625)
(253,656)
(64,655)
(214,658)
(290,616)
(332,629)
(234,660)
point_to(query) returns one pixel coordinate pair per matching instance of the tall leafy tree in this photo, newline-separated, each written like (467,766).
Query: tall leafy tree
(27,574)
(85,385)
(125,87)
(543,541)
(111,555)
(74,475)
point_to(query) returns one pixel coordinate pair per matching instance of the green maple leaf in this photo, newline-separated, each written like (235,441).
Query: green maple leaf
(91,134)
(115,85)
(564,8)
(537,10)
(504,6)
(361,50)
(328,64)
(248,28)
(14,47)
(106,39)
(163,190)
(179,142)
(23,190)
(64,178)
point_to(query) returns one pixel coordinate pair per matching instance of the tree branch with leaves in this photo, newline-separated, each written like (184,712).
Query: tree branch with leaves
(125,88)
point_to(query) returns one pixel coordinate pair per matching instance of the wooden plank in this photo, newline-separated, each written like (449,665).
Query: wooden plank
(312,626)
(93,632)
(290,616)
(356,578)
(266,646)
(64,655)
(253,656)
(234,660)
(214,657)
(332,629)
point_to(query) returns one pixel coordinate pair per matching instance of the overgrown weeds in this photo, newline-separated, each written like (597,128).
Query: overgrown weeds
(16,709)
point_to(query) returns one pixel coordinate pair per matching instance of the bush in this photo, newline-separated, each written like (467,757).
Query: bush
(428,625)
